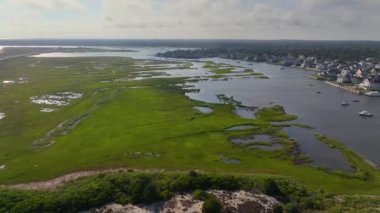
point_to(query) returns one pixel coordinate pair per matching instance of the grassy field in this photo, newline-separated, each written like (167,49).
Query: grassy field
(144,124)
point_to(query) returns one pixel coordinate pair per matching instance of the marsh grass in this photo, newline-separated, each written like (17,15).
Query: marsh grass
(147,116)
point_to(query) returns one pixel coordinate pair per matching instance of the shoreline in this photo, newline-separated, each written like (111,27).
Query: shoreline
(331,83)
(343,87)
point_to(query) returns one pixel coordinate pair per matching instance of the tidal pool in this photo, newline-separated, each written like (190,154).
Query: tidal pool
(260,141)
(241,140)
(205,110)
(58,99)
(274,146)
(226,159)
(247,139)
(239,127)
(263,137)
(245,112)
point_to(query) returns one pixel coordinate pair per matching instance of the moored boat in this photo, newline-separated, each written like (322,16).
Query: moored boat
(372,94)
(365,114)
(345,103)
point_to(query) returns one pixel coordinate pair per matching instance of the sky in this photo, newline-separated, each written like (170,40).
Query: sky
(191,19)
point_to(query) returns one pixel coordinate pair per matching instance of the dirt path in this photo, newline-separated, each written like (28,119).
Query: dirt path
(59,181)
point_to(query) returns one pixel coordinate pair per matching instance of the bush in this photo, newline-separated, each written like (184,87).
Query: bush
(126,188)
(292,208)
(211,205)
(201,195)
(311,203)
(270,188)
(278,208)
(143,190)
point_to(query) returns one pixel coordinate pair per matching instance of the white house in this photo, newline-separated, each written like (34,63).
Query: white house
(372,83)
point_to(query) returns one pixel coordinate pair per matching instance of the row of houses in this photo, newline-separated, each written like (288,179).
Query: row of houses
(364,74)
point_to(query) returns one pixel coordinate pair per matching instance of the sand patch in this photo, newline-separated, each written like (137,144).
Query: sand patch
(238,201)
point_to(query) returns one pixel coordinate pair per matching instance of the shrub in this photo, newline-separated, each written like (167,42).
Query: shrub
(292,208)
(126,188)
(270,188)
(201,195)
(278,208)
(211,205)
(143,190)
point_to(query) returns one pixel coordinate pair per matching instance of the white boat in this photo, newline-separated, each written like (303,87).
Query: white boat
(365,114)
(372,94)
(345,103)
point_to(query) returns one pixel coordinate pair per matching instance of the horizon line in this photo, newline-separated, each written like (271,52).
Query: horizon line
(186,39)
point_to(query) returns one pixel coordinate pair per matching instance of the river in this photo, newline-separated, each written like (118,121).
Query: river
(291,88)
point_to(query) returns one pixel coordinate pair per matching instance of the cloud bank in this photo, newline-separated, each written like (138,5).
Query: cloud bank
(219,19)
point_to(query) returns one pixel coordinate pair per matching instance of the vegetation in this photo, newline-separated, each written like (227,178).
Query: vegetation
(146,124)
(211,205)
(254,50)
(278,209)
(365,169)
(220,69)
(316,76)
(275,113)
(126,188)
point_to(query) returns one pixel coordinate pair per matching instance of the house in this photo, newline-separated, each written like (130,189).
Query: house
(330,74)
(321,67)
(344,77)
(372,83)
(307,64)
(287,62)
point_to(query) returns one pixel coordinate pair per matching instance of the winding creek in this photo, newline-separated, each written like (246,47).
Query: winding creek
(314,102)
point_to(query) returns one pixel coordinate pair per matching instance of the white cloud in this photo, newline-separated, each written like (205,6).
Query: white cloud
(246,19)
(70,5)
